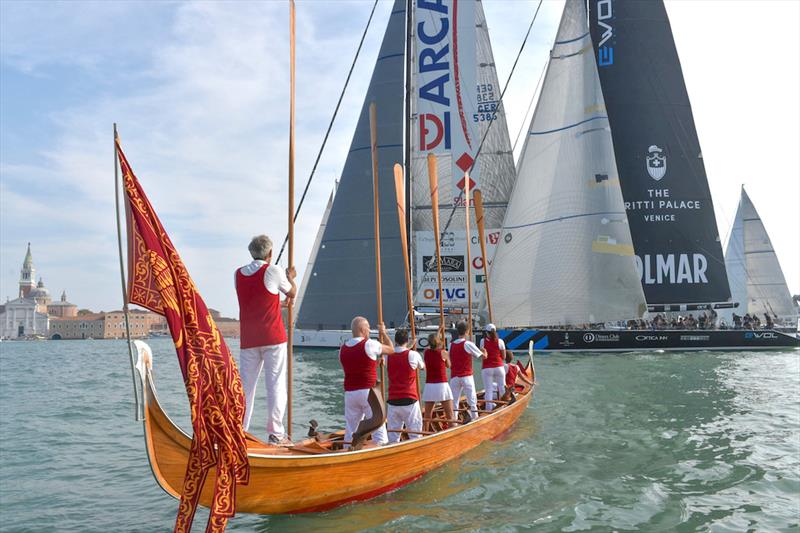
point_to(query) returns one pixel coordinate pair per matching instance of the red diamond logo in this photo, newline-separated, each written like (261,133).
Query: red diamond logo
(460,184)
(465,162)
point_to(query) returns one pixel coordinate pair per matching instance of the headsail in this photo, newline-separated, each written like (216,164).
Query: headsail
(565,255)
(342,281)
(468,57)
(667,198)
(753,268)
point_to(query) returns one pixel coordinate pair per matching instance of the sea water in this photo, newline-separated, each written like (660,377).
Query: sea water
(635,441)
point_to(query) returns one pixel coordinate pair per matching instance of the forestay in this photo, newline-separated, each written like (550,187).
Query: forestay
(753,268)
(565,255)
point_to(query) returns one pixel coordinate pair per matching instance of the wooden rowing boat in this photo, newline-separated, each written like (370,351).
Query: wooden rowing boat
(316,475)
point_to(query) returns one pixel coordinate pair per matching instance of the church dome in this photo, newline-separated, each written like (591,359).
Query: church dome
(40,291)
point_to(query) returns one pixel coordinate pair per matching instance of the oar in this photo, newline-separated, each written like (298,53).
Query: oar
(400,193)
(433,178)
(469,255)
(373,138)
(290,260)
(479,220)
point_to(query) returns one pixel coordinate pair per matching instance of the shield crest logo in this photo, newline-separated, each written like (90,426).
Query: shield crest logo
(656,162)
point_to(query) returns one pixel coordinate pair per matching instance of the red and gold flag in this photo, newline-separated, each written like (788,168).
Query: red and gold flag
(159,281)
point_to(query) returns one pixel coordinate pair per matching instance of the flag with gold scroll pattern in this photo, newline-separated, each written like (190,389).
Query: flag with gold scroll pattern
(159,281)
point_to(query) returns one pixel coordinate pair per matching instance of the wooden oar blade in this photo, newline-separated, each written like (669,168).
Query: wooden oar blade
(477,198)
(400,191)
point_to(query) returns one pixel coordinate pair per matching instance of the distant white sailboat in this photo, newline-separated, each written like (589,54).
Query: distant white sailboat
(755,274)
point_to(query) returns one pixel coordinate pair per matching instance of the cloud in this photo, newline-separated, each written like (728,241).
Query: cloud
(203,120)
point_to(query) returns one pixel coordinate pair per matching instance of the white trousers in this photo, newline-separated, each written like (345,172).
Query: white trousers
(465,384)
(356,409)
(251,360)
(494,384)
(400,415)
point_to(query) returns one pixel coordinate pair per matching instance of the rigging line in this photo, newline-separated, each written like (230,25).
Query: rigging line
(330,126)
(499,107)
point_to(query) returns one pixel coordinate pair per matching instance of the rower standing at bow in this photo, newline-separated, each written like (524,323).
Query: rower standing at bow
(263,334)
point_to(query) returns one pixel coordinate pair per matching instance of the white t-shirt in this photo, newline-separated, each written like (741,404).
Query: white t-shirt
(414,358)
(470,347)
(372,347)
(500,344)
(275,279)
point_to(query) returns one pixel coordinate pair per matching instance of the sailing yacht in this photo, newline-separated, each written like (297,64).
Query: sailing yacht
(754,272)
(611,217)
(436,90)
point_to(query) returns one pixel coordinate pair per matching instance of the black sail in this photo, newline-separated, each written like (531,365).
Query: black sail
(661,170)
(342,283)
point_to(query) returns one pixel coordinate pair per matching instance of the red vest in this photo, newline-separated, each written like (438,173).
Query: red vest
(492,347)
(402,378)
(460,360)
(435,369)
(259,311)
(359,368)
(511,375)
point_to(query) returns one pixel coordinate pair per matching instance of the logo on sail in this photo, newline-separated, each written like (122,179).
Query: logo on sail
(656,162)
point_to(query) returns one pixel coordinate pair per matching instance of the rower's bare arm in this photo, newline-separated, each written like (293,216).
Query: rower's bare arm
(446,357)
(291,273)
(387,346)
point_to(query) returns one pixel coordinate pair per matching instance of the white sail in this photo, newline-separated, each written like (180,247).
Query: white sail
(750,255)
(736,267)
(494,171)
(565,255)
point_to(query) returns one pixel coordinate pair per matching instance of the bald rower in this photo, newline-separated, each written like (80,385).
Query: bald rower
(360,357)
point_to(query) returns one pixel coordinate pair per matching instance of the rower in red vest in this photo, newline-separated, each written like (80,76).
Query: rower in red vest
(437,361)
(513,371)
(493,371)
(462,351)
(360,357)
(403,409)
(263,336)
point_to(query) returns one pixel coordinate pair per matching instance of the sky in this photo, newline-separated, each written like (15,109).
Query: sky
(200,93)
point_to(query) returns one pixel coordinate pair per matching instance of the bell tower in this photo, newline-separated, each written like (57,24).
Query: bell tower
(27,275)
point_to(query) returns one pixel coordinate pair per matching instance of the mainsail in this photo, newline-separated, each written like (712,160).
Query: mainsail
(493,172)
(453,73)
(342,281)
(565,256)
(667,198)
(756,278)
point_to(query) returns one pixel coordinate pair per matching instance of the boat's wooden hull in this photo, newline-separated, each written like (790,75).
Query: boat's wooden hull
(307,483)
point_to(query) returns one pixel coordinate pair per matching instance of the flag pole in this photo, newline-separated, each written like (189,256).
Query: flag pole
(138,415)
(479,220)
(469,255)
(433,178)
(400,191)
(373,138)
(290,261)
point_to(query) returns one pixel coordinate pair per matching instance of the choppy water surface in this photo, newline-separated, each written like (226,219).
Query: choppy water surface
(657,442)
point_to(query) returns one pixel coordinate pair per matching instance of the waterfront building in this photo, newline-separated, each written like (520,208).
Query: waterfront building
(62,308)
(26,316)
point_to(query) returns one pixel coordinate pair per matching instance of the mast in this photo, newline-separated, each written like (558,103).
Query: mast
(407,141)
(137,414)
(290,314)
